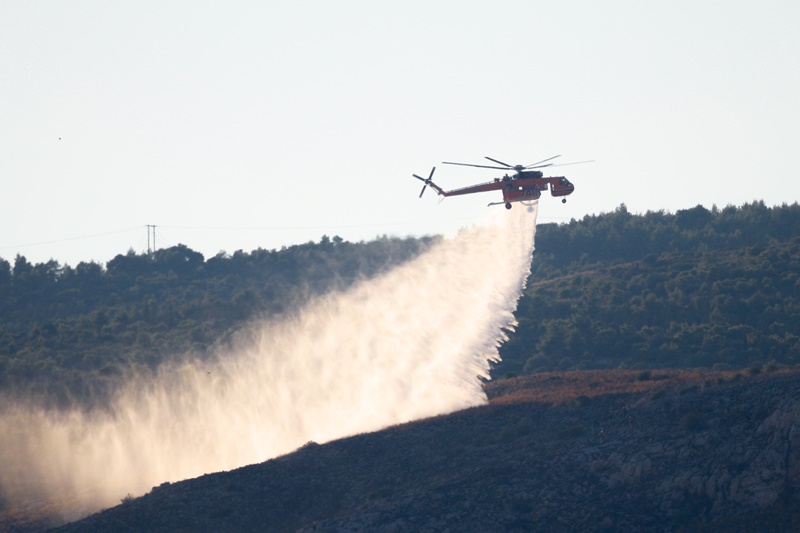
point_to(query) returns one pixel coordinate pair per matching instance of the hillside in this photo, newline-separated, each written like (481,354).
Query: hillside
(678,451)
(617,311)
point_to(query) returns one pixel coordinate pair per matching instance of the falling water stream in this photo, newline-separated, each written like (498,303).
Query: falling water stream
(408,344)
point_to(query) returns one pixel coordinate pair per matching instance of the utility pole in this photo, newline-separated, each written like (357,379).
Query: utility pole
(151,228)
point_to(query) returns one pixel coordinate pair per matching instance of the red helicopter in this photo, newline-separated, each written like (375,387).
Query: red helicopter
(526,184)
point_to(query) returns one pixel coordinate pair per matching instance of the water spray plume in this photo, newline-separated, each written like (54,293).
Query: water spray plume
(405,345)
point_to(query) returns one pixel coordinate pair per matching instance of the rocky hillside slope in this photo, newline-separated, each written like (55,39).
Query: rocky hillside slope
(682,452)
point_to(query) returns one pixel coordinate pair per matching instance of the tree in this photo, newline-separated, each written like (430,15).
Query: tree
(693,219)
(179,259)
(5,274)
(21,267)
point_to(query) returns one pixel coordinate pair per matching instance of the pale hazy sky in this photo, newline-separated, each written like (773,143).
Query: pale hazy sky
(237,125)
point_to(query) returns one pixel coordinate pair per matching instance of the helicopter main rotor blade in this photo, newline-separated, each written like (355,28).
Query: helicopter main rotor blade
(533,165)
(498,162)
(575,163)
(470,165)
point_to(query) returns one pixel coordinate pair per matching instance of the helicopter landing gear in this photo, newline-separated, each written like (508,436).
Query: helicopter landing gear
(563,200)
(508,205)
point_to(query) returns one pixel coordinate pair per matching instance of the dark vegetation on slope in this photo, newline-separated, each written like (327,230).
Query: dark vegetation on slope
(665,451)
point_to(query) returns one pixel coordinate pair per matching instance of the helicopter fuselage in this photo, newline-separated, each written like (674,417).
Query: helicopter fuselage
(526,185)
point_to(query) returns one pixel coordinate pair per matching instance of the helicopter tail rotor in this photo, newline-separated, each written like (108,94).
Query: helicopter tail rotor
(425,181)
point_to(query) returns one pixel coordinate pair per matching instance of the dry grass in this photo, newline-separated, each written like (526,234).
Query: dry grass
(562,387)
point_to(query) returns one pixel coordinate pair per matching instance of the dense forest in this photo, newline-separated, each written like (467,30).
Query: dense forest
(698,288)
(715,288)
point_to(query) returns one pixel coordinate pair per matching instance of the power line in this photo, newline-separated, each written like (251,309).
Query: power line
(325,227)
(67,239)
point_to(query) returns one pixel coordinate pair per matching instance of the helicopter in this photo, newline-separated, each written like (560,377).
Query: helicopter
(524,185)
